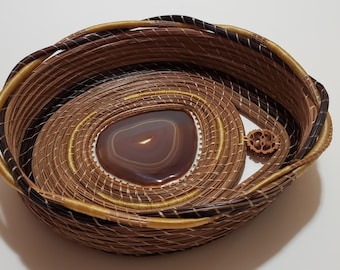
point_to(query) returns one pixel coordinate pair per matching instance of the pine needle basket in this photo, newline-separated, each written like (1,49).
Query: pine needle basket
(58,101)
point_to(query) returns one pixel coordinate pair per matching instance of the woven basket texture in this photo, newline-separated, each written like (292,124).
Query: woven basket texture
(59,101)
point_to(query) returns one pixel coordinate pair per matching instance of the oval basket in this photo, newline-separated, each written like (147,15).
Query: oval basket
(194,79)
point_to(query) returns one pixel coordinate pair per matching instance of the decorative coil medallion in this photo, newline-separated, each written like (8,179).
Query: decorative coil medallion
(262,141)
(128,137)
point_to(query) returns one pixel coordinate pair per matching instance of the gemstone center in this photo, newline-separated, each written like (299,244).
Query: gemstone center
(149,149)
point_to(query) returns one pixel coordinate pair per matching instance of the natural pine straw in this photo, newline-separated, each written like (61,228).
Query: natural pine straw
(58,99)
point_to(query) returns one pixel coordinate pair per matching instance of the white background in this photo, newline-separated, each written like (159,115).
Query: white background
(301,230)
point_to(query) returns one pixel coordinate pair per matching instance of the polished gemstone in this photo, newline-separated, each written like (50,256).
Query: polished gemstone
(152,148)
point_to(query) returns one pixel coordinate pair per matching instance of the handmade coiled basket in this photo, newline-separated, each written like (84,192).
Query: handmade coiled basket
(127,136)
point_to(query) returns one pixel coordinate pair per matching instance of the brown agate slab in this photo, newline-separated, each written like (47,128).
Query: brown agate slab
(150,148)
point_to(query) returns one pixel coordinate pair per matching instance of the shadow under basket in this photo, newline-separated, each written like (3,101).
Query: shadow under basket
(127,136)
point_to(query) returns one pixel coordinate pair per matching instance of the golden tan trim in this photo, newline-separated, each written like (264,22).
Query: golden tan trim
(149,222)
(221,137)
(72,140)
(164,92)
(130,25)
(176,223)
(153,205)
(99,211)
(117,25)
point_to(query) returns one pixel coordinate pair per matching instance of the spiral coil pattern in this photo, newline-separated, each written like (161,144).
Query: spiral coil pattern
(179,86)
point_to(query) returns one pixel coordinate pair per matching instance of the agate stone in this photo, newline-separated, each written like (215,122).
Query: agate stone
(152,148)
